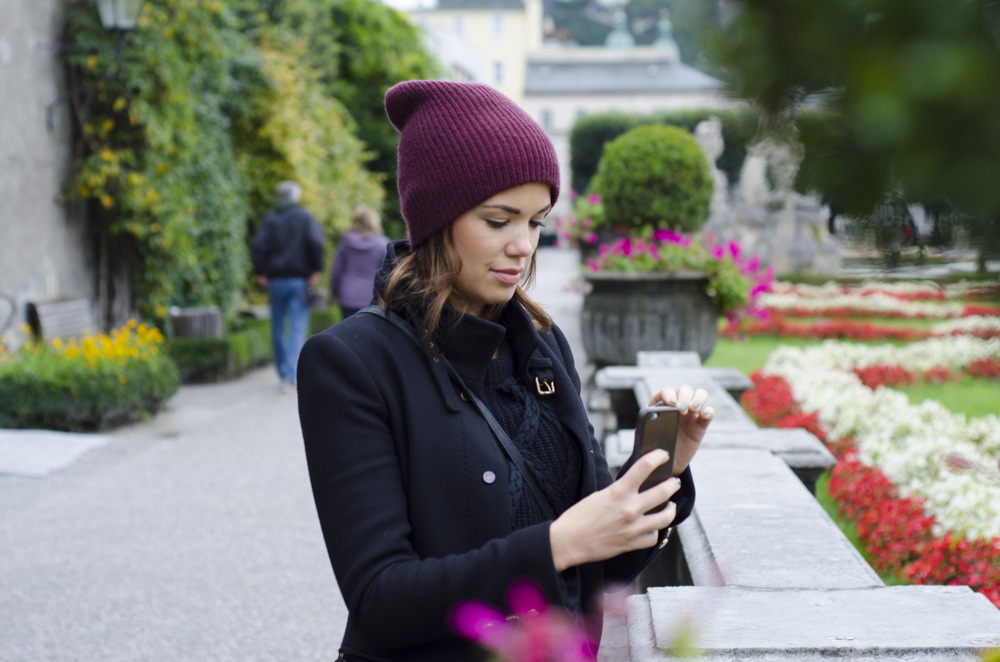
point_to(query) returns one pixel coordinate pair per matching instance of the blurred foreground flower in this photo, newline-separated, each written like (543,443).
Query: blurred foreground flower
(534,632)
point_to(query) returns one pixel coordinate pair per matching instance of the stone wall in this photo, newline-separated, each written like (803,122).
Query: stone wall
(45,250)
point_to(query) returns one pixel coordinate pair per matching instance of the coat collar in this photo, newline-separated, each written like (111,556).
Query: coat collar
(469,342)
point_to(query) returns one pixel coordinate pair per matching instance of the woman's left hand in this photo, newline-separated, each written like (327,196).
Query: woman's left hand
(695,418)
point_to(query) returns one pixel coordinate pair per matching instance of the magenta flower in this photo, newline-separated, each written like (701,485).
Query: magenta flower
(594,199)
(590,238)
(572,194)
(718,252)
(535,632)
(734,249)
(593,266)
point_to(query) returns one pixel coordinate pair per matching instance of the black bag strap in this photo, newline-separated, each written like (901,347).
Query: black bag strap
(502,437)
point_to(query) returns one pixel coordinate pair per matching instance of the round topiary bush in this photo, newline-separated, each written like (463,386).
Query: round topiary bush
(653,177)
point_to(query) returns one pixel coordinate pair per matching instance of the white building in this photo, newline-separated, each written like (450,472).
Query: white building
(501,32)
(563,83)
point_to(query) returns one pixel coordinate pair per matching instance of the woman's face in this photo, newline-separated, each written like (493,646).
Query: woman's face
(495,242)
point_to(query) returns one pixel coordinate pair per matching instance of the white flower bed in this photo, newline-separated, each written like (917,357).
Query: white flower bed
(915,289)
(910,444)
(873,303)
(970,324)
(952,353)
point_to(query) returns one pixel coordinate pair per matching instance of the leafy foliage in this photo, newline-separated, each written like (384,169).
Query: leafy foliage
(915,87)
(654,177)
(590,133)
(214,103)
(377,49)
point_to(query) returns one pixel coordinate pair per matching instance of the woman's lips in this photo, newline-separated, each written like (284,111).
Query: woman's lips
(507,276)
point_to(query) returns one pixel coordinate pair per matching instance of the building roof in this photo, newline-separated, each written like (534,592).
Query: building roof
(598,70)
(480,4)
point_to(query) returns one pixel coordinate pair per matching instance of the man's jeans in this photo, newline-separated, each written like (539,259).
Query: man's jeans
(288,300)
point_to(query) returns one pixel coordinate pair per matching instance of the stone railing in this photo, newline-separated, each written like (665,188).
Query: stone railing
(772,576)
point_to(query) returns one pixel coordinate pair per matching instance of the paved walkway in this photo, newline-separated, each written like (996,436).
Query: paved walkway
(192,537)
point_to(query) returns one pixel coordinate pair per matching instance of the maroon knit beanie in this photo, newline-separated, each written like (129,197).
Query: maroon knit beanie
(460,144)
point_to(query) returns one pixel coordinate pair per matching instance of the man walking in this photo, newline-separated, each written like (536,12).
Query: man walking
(287,254)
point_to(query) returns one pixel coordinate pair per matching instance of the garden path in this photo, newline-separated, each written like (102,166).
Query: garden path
(189,537)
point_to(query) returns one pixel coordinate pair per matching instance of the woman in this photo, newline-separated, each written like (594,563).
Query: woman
(421,507)
(359,255)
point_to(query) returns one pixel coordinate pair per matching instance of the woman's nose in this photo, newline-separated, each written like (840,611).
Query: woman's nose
(521,245)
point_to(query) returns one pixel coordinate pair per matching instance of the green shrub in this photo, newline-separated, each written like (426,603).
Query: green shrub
(203,360)
(88,384)
(323,318)
(590,133)
(654,177)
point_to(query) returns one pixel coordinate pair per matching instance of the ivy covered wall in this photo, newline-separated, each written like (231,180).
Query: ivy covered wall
(211,105)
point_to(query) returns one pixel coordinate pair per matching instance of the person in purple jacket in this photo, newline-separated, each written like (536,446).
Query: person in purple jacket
(359,257)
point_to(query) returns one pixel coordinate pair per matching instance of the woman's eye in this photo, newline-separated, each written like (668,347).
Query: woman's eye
(537,224)
(496,224)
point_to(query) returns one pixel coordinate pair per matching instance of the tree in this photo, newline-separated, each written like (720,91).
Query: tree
(914,85)
(377,48)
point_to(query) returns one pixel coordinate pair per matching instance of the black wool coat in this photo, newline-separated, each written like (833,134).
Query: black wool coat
(402,469)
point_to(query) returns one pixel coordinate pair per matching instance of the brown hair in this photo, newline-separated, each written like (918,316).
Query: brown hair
(432,269)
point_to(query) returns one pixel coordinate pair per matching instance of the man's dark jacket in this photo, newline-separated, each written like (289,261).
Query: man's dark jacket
(288,244)
(400,467)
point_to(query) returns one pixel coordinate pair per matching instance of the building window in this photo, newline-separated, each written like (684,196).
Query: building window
(458,23)
(498,73)
(497,25)
(546,119)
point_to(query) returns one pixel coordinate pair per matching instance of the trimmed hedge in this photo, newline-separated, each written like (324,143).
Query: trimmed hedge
(654,177)
(206,360)
(591,132)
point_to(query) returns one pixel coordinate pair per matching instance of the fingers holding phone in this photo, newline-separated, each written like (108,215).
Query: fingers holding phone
(694,418)
(620,518)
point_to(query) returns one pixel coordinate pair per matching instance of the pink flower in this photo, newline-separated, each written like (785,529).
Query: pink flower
(572,194)
(592,265)
(594,199)
(591,238)
(734,249)
(671,237)
(534,633)
(718,252)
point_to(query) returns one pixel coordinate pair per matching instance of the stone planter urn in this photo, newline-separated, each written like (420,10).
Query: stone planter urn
(628,312)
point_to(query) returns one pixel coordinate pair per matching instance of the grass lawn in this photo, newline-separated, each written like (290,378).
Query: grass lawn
(972,397)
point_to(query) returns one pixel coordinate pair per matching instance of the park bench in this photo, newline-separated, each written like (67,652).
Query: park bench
(771,576)
(62,318)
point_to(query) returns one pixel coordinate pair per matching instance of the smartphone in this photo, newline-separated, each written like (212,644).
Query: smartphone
(656,427)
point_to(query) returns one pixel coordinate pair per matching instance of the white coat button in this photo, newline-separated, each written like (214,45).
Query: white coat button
(489,477)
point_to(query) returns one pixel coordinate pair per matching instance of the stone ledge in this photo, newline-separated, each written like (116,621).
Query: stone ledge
(764,529)
(900,622)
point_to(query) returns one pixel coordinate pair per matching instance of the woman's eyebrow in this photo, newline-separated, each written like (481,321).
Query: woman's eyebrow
(514,210)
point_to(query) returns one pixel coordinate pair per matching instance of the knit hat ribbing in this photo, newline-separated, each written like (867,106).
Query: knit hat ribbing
(460,144)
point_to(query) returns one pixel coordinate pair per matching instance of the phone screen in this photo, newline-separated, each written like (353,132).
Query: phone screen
(657,427)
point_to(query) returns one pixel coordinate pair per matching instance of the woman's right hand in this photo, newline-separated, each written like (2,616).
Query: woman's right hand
(614,520)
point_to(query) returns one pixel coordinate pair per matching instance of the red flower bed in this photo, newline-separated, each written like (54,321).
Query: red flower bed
(777,325)
(984,369)
(874,376)
(896,533)
(980,311)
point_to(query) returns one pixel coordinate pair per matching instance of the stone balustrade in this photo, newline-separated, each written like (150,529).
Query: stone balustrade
(773,577)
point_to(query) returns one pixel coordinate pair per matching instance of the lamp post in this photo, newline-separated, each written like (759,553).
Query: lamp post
(118,17)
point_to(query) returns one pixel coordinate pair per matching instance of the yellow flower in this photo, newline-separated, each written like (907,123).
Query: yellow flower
(122,379)
(107,201)
(119,104)
(57,343)
(91,61)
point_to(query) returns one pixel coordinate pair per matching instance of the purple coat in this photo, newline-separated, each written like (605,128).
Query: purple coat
(359,257)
